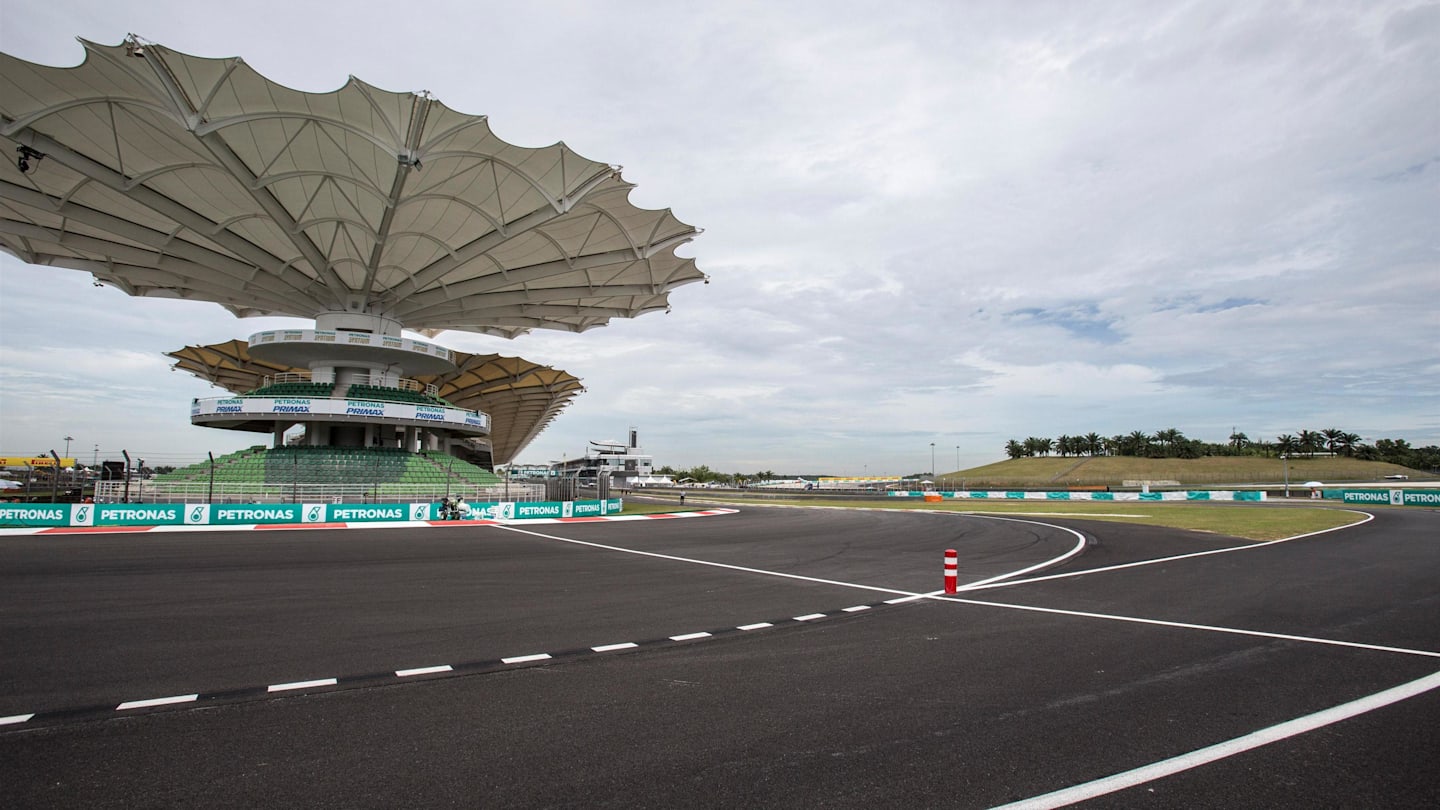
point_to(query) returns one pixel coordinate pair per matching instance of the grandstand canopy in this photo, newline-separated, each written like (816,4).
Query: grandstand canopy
(521,397)
(178,176)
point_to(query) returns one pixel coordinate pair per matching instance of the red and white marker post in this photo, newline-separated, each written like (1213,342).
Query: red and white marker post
(952,569)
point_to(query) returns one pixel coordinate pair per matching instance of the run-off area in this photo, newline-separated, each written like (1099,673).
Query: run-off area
(819,703)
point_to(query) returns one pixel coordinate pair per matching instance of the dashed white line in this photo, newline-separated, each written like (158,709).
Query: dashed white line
(15,718)
(755,626)
(612,647)
(520,659)
(690,636)
(857,607)
(284,687)
(405,673)
(164,701)
(809,617)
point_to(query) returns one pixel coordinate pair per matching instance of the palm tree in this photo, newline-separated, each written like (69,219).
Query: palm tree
(1309,441)
(1137,443)
(1286,444)
(1014,449)
(1331,437)
(1094,444)
(1348,442)
(1062,445)
(1238,441)
(1168,439)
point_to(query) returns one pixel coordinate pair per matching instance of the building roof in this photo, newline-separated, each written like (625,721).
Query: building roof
(521,397)
(171,175)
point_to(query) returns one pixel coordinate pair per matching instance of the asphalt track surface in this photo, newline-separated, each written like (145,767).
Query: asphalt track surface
(999,695)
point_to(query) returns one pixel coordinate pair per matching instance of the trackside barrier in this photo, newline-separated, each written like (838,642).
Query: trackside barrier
(180,514)
(1391,497)
(952,570)
(1188,495)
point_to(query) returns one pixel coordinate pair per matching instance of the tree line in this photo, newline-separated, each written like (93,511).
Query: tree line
(1171,443)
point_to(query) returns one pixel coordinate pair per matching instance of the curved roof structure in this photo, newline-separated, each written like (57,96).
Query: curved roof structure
(171,175)
(521,397)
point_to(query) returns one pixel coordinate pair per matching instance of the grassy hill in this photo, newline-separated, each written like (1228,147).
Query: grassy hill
(1113,471)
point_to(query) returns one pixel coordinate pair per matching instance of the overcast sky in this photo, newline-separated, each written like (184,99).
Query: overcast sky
(949,223)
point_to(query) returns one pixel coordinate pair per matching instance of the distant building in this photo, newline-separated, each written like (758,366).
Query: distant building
(626,463)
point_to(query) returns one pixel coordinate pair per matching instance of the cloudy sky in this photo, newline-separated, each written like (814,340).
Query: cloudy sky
(930,226)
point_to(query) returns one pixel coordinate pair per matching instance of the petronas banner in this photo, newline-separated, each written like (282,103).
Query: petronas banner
(271,514)
(1392,497)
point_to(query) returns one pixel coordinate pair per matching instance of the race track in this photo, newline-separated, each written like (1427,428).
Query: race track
(768,658)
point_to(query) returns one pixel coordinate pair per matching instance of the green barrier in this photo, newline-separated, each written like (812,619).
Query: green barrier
(1393,497)
(25,514)
(260,513)
(1015,495)
(1197,495)
(179,514)
(1102,496)
(1057,496)
(1152,496)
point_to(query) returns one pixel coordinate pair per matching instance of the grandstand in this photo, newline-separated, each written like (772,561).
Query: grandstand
(164,174)
(306,473)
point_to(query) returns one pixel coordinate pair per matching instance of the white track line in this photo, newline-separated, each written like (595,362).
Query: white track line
(520,659)
(15,718)
(693,561)
(285,687)
(906,596)
(1188,626)
(992,583)
(1204,756)
(165,701)
(406,673)
(625,645)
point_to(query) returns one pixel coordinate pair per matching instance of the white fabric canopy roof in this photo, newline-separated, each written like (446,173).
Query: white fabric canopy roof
(172,175)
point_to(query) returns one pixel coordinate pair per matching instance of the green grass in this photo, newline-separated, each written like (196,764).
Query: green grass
(1244,520)
(1113,471)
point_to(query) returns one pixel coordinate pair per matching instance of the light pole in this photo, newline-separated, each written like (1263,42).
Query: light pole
(68,439)
(1285,462)
(932,461)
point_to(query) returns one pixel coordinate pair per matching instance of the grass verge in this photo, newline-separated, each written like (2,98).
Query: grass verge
(1247,521)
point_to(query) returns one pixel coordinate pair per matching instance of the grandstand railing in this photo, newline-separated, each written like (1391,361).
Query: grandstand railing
(143,491)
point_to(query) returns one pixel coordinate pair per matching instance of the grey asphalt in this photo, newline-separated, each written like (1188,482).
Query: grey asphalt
(928,704)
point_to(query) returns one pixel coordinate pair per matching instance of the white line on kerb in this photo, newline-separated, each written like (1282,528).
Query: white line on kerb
(520,659)
(1204,756)
(612,647)
(282,687)
(405,673)
(165,701)
(15,718)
